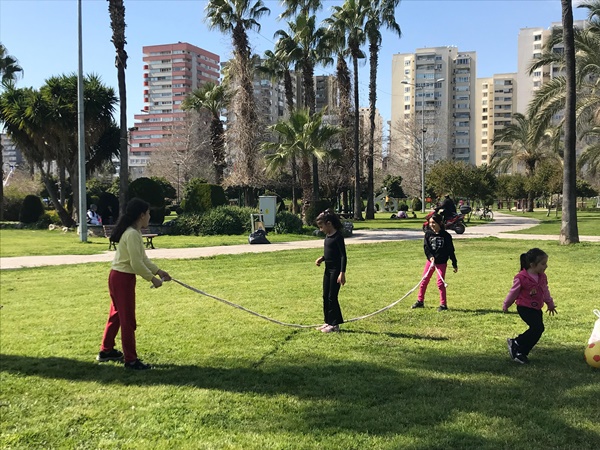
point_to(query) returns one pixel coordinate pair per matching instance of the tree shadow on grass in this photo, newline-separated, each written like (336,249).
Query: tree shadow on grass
(426,400)
(421,398)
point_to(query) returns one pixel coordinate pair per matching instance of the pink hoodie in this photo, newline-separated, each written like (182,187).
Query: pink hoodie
(529,290)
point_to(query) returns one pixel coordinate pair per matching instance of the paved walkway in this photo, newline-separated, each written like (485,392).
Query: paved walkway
(502,227)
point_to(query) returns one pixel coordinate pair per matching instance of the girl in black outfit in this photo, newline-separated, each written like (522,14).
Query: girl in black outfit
(438,248)
(335,270)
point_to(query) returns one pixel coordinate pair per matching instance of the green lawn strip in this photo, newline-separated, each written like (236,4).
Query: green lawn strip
(588,222)
(225,379)
(45,242)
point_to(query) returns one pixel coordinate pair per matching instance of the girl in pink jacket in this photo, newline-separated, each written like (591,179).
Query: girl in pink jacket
(530,291)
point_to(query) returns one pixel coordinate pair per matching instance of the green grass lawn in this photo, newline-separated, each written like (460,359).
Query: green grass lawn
(413,379)
(588,222)
(45,242)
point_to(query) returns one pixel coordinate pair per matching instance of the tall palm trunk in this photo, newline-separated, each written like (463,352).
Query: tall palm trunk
(116,11)
(217,137)
(345,90)
(357,197)
(374,61)
(569,233)
(310,103)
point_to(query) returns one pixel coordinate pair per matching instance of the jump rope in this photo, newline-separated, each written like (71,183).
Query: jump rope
(294,325)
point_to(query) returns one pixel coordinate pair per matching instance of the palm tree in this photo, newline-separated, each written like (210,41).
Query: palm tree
(10,70)
(236,17)
(380,13)
(590,157)
(116,10)
(338,43)
(303,135)
(568,232)
(214,99)
(351,16)
(527,148)
(306,46)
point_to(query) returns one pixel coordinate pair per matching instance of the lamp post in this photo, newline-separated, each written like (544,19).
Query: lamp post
(423,130)
(178,164)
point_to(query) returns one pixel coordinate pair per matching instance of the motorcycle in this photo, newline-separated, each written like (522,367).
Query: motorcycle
(456,223)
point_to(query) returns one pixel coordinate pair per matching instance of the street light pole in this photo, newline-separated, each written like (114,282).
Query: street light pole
(423,130)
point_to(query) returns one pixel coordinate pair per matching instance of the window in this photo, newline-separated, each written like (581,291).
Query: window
(407,98)
(537,37)
(406,107)
(537,73)
(407,62)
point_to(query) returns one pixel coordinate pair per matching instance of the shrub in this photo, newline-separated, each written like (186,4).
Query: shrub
(315,209)
(416,204)
(186,225)
(152,192)
(200,197)
(12,204)
(243,212)
(108,208)
(31,210)
(221,220)
(286,222)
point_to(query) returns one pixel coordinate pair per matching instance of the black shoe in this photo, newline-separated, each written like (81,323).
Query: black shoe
(512,348)
(137,365)
(113,355)
(442,308)
(418,305)
(521,358)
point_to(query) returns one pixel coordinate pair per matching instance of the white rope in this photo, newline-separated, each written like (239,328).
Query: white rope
(379,311)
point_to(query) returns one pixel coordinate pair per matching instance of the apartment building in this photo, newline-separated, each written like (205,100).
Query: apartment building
(171,72)
(530,44)
(496,104)
(433,104)
(11,155)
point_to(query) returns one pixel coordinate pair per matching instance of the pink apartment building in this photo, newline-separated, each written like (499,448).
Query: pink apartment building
(171,72)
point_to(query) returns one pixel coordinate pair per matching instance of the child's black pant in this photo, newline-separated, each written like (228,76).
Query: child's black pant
(535,319)
(331,288)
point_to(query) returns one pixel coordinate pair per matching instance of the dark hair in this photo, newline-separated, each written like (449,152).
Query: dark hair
(437,218)
(329,216)
(134,209)
(532,257)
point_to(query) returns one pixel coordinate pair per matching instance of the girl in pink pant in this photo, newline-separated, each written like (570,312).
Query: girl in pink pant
(438,248)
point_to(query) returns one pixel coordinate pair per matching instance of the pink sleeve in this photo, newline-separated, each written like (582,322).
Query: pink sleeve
(512,294)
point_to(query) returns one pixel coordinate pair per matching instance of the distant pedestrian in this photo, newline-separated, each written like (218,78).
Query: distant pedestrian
(335,269)
(130,260)
(530,291)
(438,248)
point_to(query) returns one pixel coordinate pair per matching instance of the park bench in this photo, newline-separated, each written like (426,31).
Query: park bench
(146,234)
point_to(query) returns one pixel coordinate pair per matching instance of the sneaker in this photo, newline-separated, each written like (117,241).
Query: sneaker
(321,327)
(418,304)
(137,365)
(331,329)
(512,348)
(521,358)
(442,308)
(113,355)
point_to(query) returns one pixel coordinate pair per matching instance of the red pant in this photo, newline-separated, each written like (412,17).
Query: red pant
(428,272)
(121,287)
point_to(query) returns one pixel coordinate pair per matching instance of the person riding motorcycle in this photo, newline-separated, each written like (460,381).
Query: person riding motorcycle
(447,207)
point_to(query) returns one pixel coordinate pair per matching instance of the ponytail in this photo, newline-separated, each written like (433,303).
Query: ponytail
(134,209)
(329,216)
(532,257)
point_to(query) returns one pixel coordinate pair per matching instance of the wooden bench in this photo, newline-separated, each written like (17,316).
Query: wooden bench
(108,229)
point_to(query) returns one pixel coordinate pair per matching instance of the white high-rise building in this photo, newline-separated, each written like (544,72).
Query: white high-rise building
(496,103)
(530,47)
(433,100)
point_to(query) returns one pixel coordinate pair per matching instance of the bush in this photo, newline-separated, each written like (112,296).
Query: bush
(221,221)
(286,222)
(186,225)
(12,204)
(31,210)
(200,197)
(315,209)
(416,204)
(152,192)
(108,208)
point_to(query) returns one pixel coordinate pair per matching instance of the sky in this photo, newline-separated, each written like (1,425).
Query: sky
(42,35)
